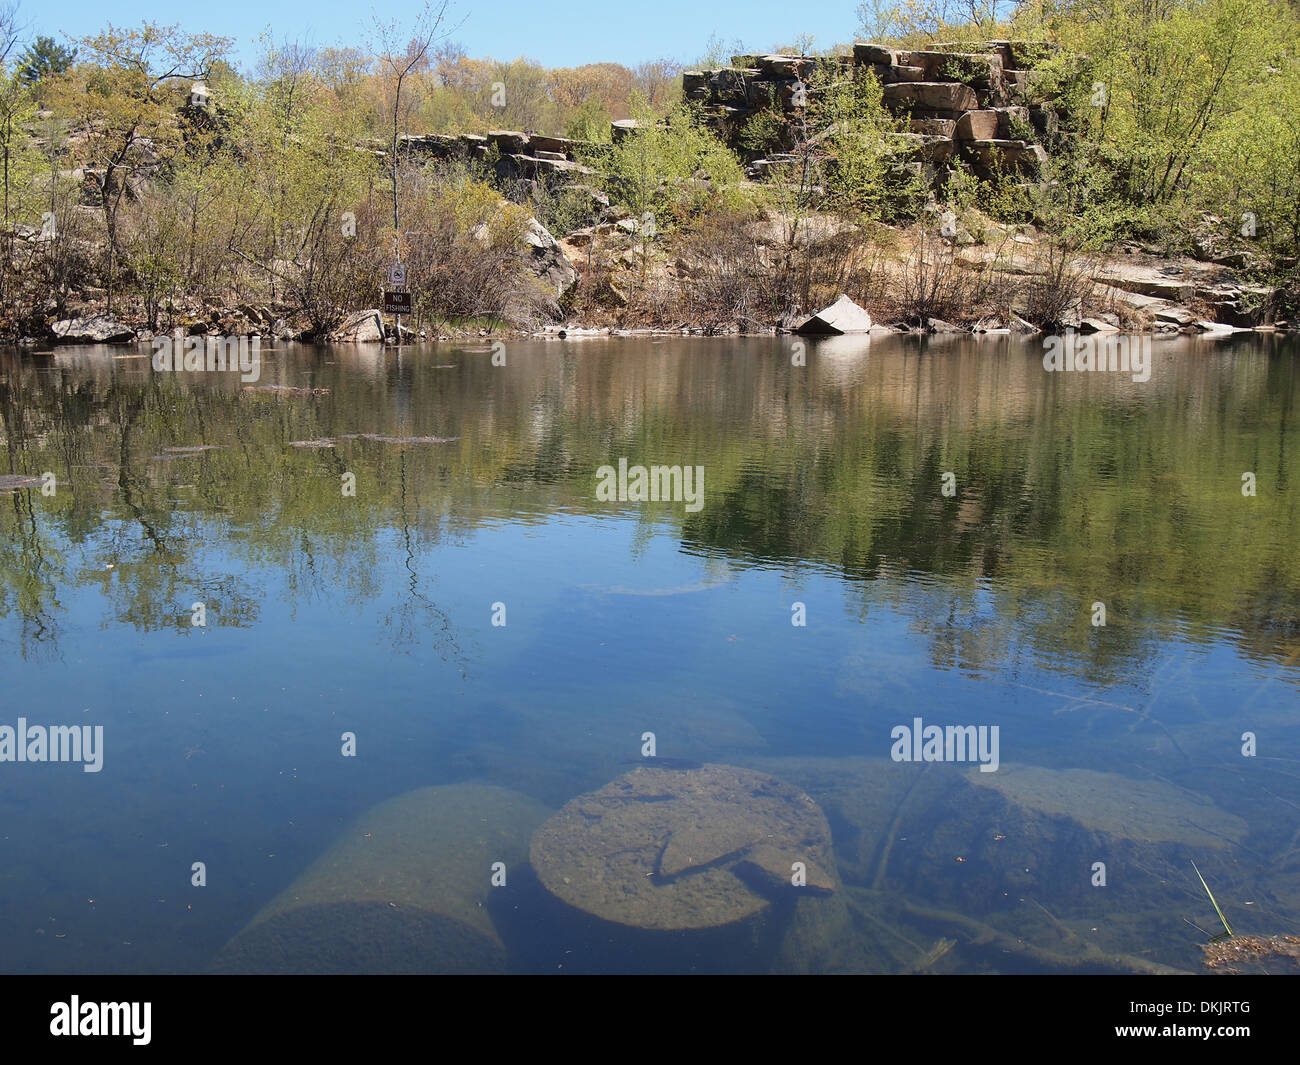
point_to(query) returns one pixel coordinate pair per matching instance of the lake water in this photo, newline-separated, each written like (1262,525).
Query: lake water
(973,599)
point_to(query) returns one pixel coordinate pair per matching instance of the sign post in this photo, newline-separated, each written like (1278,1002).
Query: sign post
(397,300)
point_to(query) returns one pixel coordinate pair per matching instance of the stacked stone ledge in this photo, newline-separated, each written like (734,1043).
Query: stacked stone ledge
(519,156)
(972,106)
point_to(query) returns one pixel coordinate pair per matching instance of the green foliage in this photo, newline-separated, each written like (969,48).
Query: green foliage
(671,169)
(918,23)
(863,168)
(763,132)
(590,123)
(44,58)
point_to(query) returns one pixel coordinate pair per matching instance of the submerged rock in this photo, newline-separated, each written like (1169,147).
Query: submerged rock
(1273,955)
(941,848)
(379,438)
(1148,811)
(695,848)
(286,390)
(403,890)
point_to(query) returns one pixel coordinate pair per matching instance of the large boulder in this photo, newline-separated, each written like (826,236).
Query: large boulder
(992,124)
(405,889)
(92,329)
(685,849)
(361,327)
(842,316)
(947,97)
(508,140)
(977,126)
(868,52)
(1012,154)
(623,127)
(549,262)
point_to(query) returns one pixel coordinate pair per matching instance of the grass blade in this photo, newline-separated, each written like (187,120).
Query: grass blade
(1215,904)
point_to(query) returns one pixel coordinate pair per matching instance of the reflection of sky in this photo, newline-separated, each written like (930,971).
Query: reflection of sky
(217,739)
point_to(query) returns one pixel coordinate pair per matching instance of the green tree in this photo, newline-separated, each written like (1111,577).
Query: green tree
(125,105)
(44,58)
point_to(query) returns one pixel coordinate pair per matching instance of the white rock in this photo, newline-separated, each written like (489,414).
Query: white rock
(842,316)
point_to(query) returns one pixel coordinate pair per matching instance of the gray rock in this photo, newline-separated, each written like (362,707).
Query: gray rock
(933,127)
(361,327)
(92,329)
(977,126)
(1176,315)
(404,889)
(865,52)
(1096,325)
(508,140)
(1016,154)
(541,143)
(938,325)
(549,262)
(672,849)
(623,127)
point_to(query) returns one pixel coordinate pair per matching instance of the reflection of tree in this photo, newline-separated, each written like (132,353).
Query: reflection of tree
(1067,492)
(28,563)
(28,567)
(415,614)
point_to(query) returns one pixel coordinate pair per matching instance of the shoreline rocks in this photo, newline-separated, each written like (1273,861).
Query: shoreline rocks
(92,329)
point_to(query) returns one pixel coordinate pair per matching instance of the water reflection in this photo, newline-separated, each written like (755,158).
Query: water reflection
(374,612)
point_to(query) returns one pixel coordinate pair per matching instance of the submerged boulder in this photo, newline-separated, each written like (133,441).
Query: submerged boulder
(842,316)
(404,890)
(1148,811)
(13,482)
(673,849)
(1269,955)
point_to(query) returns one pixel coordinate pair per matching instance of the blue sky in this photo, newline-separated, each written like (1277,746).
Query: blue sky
(564,33)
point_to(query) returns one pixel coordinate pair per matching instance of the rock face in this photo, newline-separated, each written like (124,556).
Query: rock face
(514,155)
(403,890)
(92,329)
(549,262)
(672,849)
(842,316)
(980,101)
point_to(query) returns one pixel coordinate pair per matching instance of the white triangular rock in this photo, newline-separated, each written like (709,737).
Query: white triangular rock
(842,316)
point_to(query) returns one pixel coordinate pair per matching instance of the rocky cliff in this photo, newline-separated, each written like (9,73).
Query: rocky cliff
(977,107)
